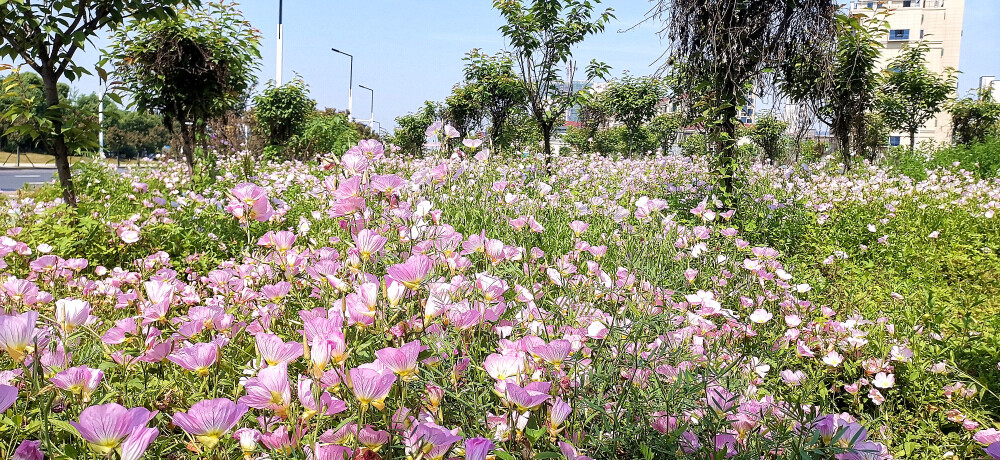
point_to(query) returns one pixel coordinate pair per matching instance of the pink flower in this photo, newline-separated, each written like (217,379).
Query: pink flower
(472,143)
(275,351)
(281,241)
(793,378)
(578,227)
(8,395)
(208,420)
(883,380)
(325,405)
(555,352)
(130,235)
(80,380)
(370,386)
(876,397)
(72,313)
(105,427)
(368,243)
(503,367)
(402,360)
(411,273)
(250,201)
(199,357)
(984,437)
(524,398)
(477,448)
(17,333)
(28,450)
(558,413)
(372,438)
(761,316)
(269,390)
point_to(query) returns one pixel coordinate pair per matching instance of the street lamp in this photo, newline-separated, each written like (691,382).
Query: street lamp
(350,86)
(371,122)
(280,37)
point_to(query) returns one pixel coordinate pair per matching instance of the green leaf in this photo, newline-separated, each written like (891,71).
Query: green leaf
(504,455)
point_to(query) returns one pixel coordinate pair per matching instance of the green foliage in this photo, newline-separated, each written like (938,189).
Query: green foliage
(912,94)
(841,82)
(632,101)
(281,112)
(973,120)
(665,129)
(410,131)
(192,67)
(542,34)
(614,141)
(325,133)
(521,133)
(768,134)
(46,36)
(982,159)
(694,145)
(464,109)
(497,89)
(725,49)
(25,116)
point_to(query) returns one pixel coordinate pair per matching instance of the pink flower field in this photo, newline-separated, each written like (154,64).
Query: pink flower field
(473,307)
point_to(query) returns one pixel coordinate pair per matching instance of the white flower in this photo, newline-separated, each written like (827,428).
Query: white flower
(884,381)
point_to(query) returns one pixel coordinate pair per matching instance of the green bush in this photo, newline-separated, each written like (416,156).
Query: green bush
(325,133)
(982,159)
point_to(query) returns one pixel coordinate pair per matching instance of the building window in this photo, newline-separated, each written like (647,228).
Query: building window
(909,3)
(899,34)
(894,141)
(921,34)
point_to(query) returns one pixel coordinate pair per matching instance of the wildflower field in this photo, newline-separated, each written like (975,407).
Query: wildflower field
(378,307)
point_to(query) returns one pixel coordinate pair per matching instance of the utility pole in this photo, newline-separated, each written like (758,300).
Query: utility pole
(280,37)
(350,86)
(371,121)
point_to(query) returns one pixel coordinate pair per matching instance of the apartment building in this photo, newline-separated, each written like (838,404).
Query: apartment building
(938,23)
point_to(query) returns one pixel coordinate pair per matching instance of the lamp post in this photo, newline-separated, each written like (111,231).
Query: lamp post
(371,122)
(280,38)
(350,86)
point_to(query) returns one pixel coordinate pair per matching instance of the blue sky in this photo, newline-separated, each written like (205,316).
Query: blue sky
(409,51)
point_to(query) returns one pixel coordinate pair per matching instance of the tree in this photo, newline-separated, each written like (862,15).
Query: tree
(801,120)
(665,129)
(190,68)
(974,120)
(282,112)
(913,94)
(769,135)
(325,132)
(632,101)
(464,110)
(724,48)
(409,134)
(46,35)
(497,88)
(841,81)
(542,34)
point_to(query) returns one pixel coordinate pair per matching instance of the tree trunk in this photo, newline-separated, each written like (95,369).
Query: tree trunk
(187,138)
(57,145)
(727,141)
(913,140)
(546,145)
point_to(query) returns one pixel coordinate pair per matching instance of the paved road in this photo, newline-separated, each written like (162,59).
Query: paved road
(12,179)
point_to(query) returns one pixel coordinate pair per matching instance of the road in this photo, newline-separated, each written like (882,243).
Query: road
(12,179)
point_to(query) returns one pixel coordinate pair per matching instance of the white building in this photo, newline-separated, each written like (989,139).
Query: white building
(938,23)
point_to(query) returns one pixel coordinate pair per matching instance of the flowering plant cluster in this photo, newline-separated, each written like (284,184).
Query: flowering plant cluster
(465,307)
